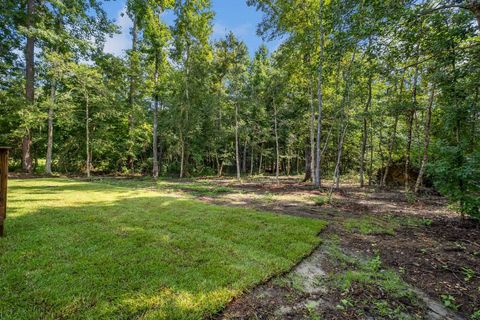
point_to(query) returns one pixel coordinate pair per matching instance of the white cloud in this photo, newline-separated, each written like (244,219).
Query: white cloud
(117,44)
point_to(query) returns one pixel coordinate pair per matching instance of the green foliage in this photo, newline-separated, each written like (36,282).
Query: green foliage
(468,273)
(358,275)
(320,200)
(449,301)
(192,92)
(457,175)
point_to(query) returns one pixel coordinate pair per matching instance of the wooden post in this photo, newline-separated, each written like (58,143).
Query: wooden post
(3,186)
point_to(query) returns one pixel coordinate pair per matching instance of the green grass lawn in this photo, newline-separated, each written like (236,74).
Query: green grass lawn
(97,251)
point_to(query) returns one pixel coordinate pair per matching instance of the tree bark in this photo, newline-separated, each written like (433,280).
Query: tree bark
(317,177)
(411,117)
(251,161)
(244,157)
(87,132)
(311,171)
(183,135)
(426,140)
(260,162)
(308,164)
(365,133)
(131,97)
(48,162)
(155,121)
(237,147)
(29,86)
(277,148)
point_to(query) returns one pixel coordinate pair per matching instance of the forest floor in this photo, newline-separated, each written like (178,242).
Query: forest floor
(385,254)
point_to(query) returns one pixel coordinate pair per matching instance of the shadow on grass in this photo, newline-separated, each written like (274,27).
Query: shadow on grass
(154,256)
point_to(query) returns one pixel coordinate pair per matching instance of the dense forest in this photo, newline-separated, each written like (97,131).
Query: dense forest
(379,92)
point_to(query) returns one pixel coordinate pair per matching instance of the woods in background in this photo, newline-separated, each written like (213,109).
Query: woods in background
(383,91)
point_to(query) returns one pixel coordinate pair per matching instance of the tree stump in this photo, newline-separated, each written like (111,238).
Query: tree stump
(3,186)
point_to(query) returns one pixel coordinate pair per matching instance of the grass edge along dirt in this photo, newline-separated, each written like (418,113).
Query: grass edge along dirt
(91,250)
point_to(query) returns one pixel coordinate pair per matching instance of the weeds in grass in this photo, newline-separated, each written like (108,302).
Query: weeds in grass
(291,280)
(449,301)
(370,225)
(411,197)
(468,273)
(369,276)
(475,315)
(320,200)
(311,307)
(268,196)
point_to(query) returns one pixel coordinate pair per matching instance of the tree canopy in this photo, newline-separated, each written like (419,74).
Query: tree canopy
(376,92)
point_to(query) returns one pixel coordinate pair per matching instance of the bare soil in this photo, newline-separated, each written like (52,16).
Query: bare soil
(432,249)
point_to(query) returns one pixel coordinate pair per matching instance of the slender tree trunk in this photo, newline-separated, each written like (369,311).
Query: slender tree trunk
(244,158)
(260,162)
(317,176)
(370,169)
(187,101)
(251,161)
(344,121)
(87,132)
(411,117)
(237,147)
(308,166)
(365,133)
(339,157)
(393,139)
(277,148)
(29,86)
(426,140)
(155,121)
(311,171)
(131,97)
(48,162)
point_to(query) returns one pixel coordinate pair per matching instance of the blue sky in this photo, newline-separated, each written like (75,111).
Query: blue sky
(230,15)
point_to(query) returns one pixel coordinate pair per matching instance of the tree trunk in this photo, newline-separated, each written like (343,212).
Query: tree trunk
(365,133)
(393,136)
(308,164)
(48,162)
(261,160)
(183,135)
(344,121)
(411,117)
(251,162)
(29,86)
(237,147)
(277,148)
(317,177)
(336,175)
(131,97)
(426,140)
(309,172)
(155,121)
(244,158)
(87,133)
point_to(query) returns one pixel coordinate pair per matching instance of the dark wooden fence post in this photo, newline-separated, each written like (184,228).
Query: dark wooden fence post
(3,186)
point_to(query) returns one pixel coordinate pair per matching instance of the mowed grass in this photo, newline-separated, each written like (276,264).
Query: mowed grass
(95,251)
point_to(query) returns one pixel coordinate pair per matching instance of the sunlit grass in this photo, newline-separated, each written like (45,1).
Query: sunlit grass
(91,250)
